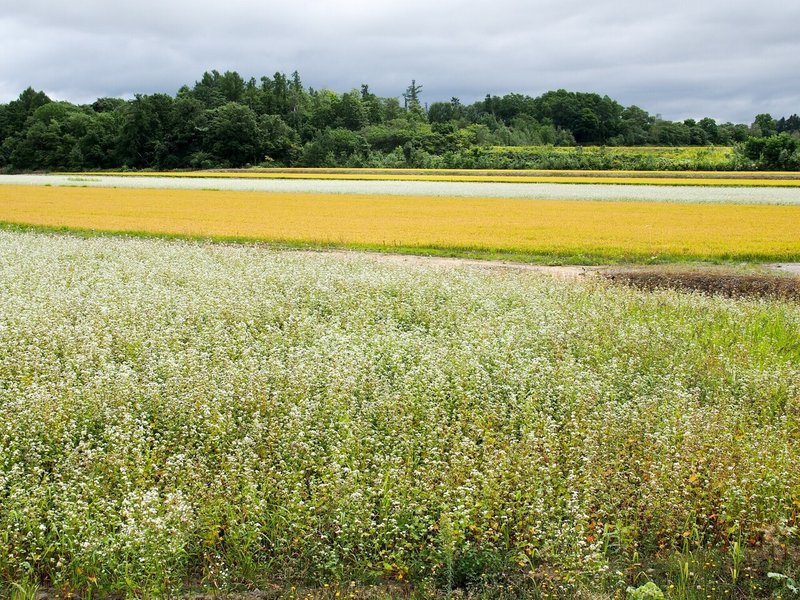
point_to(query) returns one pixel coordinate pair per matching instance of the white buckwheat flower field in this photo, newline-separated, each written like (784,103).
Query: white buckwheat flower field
(180,415)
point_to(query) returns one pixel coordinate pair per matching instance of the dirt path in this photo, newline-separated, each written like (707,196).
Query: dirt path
(793,268)
(561,271)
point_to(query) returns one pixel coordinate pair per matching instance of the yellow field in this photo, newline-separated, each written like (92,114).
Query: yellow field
(610,229)
(692,178)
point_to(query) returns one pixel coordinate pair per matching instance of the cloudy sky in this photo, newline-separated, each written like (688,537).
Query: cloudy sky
(728,59)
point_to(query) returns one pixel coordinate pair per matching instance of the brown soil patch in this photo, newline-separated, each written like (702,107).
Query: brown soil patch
(730,285)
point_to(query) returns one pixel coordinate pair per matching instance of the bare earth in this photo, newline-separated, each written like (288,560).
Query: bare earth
(560,271)
(793,268)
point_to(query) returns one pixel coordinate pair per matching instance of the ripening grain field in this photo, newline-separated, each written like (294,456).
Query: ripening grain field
(177,415)
(541,230)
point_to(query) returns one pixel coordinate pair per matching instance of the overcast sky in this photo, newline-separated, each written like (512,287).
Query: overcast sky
(728,59)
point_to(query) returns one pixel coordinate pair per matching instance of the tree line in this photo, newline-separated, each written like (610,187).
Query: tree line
(225,121)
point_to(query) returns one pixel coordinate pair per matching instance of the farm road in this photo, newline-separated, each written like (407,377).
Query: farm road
(560,271)
(793,268)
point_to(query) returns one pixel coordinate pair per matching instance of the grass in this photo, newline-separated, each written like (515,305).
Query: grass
(466,253)
(713,152)
(179,416)
(536,231)
(685,158)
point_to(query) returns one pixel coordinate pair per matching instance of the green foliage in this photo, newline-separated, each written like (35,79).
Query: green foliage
(350,111)
(779,152)
(788,125)
(764,125)
(15,114)
(787,582)
(335,147)
(279,140)
(57,133)
(648,591)
(145,127)
(233,137)
(597,158)
(590,117)
(190,123)
(411,99)
(277,121)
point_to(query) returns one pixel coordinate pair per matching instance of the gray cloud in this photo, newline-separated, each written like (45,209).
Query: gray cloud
(729,59)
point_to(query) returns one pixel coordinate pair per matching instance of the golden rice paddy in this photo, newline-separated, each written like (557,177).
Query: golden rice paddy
(532,227)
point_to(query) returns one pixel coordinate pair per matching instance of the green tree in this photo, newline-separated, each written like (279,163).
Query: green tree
(233,137)
(143,137)
(774,153)
(709,125)
(411,102)
(373,107)
(16,112)
(51,138)
(764,125)
(13,118)
(590,117)
(336,147)
(98,146)
(411,95)
(635,126)
(208,91)
(667,133)
(788,125)
(107,105)
(730,132)
(586,126)
(350,112)
(443,112)
(277,95)
(279,141)
(298,104)
(232,86)
(510,106)
(187,130)
(391,109)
